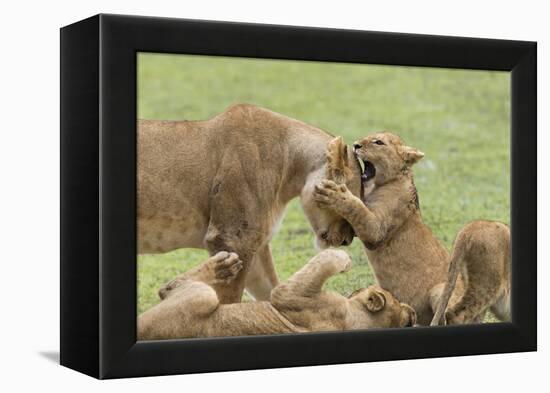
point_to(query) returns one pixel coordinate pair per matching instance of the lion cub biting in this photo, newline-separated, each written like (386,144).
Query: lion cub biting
(407,259)
(190,306)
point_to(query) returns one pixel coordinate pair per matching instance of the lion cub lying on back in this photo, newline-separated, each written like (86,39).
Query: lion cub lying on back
(407,258)
(190,306)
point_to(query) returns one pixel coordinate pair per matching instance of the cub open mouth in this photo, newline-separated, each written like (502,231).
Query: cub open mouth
(369,172)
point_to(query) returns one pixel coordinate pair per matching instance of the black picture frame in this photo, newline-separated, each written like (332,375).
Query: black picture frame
(98,195)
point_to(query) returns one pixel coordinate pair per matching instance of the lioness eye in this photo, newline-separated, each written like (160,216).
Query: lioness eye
(379,142)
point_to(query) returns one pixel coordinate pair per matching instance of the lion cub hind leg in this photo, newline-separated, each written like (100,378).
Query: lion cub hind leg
(220,268)
(501,308)
(436,296)
(176,316)
(309,280)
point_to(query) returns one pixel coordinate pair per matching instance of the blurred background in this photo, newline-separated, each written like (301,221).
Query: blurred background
(459,118)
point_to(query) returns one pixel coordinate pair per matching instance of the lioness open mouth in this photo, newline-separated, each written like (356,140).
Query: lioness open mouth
(369,171)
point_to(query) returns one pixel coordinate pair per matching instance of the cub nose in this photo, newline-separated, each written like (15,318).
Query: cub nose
(357,146)
(345,242)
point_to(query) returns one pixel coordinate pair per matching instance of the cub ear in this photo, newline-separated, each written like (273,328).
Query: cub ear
(376,300)
(338,169)
(408,316)
(411,155)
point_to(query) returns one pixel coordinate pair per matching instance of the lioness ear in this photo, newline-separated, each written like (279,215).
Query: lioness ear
(376,300)
(411,155)
(337,161)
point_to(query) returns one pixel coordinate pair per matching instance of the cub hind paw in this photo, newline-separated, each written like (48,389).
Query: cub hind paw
(226,265)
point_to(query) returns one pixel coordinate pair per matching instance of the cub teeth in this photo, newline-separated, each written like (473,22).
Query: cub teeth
(360,162)
(370,171)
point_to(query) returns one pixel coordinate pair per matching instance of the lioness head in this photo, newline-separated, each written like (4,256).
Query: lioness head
(341,166)
(385,157)
(376,307)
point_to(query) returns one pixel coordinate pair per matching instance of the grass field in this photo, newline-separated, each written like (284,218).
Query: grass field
(459,118)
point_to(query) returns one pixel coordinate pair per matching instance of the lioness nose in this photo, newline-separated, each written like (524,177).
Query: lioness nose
(357,146)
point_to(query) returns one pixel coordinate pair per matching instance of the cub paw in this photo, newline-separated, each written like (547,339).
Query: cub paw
(328,192)
(226,265)
(339,258)
(347,267)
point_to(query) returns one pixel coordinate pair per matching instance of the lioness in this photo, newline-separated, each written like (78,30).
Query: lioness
(407,259)
(223,184)
(191,308)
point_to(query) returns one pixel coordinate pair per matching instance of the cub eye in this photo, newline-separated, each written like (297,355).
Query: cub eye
(378,142)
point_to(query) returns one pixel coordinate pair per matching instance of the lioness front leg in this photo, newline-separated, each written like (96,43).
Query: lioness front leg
(238,224)
(309,280)
(262,277)
(245,246)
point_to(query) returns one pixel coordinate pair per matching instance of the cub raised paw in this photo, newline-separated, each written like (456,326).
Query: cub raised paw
(222,267)
(328,193)
(226,266)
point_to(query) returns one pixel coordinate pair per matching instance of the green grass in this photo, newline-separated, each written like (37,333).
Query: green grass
(459,118)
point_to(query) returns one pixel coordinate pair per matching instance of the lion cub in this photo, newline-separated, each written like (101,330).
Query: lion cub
(481,256)
(407,259)
(191,308)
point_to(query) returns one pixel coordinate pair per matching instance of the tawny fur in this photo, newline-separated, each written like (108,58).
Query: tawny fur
(191,307)
(407,259)
(223,184)
(481,254)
